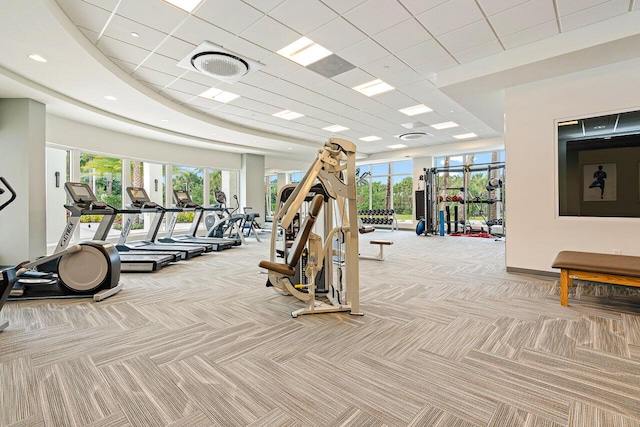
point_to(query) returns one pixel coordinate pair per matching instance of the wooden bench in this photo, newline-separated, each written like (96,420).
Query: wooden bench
(605,268)
(380,256)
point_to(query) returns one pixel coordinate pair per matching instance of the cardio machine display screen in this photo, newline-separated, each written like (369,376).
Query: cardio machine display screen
(137,194)
(182,196)
(80,193)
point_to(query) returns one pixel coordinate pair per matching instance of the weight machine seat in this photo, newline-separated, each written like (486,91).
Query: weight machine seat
(295,252)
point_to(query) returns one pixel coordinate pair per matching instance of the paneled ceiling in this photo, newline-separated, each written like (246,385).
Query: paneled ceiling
(129,49)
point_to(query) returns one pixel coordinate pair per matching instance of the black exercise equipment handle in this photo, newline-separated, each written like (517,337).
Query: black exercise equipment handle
(13,193)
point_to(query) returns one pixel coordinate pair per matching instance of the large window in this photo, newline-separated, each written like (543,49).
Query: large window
(191,180)
(104,175)
(271,194)
(386,186)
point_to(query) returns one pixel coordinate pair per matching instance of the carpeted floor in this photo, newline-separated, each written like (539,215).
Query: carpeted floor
(448,339)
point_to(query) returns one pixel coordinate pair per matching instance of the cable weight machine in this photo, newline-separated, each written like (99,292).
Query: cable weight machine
(436,203)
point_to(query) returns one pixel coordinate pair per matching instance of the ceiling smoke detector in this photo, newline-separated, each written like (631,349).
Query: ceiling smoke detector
(412,135)
(219,63)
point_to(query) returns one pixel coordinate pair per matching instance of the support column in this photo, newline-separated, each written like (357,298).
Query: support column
(22,163)
(252,183)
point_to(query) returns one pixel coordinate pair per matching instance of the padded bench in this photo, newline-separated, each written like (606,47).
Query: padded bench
(605,268)
(380,256)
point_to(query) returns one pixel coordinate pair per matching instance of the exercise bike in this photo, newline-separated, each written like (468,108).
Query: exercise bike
(86,269)
(7,275)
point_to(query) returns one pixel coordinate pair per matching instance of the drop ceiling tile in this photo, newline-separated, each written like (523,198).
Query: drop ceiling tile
(491,7)
(567,7)
(196,30)
(403,78)
(233,16)
(153,87)
(337,35)
(194,76)
(187,86)
(230,109)
(253,106)
(165,65)
(279,35)
(304,77)
(374,16)
(177,95)
(530,35)
(397,100)
(594,14)
(363,52)
(282,87)
(153,76)
(264,6)
(121,28)
(422,53)
(155,14)
(204,103)
(85,15)
(420,87)
(258,79)
(402,36)
(342,6)
(351,78)
(450,16)
(303,16)
(527,15)
(467,37)
(385,66)
(418,6)
(175,48)
(123,51)
(436,65)
(278,66)
(247,49)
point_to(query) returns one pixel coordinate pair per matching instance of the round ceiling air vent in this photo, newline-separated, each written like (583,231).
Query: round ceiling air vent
(220,65)
(412,135)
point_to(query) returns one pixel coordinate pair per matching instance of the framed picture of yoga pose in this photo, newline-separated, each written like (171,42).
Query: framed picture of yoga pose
(599,182)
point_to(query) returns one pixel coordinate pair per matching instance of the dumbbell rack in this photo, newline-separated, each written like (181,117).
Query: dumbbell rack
(379,217)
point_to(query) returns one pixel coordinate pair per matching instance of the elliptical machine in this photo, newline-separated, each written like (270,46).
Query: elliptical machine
(7,275)
(224,222)
(87,269)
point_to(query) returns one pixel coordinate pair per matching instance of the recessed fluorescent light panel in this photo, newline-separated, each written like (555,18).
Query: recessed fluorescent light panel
(219,95)
(373,87)
(304,52)
(186,5)
(465,136)
(335,128)
(445,125)
(415,110)
(396,146)
(370,138)
(288,115)
(37,58)
(111,98)
(572,122)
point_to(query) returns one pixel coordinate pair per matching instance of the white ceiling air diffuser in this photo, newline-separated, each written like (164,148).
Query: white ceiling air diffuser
(412,135)
(219,63)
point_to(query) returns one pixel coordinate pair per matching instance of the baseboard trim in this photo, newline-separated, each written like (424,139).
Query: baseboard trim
(516,270)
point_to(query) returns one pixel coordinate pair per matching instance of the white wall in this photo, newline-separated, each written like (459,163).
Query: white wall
(56,161)
(22,144)
(252,184)
(68,133)
(535,232)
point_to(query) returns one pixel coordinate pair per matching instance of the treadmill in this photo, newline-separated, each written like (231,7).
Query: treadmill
(140,203)
(84,202)
(183,202)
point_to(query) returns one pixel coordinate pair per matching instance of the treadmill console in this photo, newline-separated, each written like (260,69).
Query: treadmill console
(140,198)
(182,199)
(82,196)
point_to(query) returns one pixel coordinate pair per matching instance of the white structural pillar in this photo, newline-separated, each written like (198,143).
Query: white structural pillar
(22,163)
(252,183)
